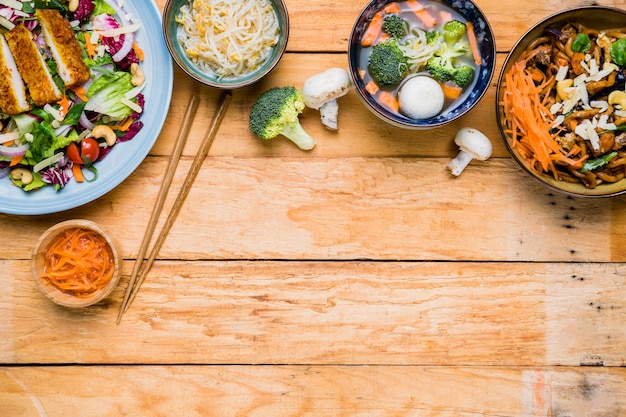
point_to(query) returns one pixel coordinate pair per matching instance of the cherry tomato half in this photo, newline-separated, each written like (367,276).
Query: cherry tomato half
(89,148)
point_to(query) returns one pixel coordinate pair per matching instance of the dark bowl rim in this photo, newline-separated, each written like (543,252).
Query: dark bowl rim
(169,13)
(545,22)
(418,125)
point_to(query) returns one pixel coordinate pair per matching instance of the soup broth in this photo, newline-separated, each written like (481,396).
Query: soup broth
(422,17)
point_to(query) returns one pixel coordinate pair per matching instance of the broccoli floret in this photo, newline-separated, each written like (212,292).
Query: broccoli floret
(453,31)
(432,36)
(463,75)
(442,65)
(276,112)
(387,63)
(394,26)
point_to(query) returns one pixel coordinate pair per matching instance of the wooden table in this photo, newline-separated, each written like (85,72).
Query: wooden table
(358,279)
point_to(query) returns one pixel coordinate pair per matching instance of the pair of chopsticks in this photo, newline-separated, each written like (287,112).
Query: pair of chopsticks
(141,269)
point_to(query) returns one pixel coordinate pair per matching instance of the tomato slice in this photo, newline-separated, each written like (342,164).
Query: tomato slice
(73,153)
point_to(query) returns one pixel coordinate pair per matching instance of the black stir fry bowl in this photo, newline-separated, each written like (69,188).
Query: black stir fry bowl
(561,102)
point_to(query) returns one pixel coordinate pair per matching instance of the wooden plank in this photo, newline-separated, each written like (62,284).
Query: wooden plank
(400,313)
(352,208)
(257,391)
(361,133)
(326,26)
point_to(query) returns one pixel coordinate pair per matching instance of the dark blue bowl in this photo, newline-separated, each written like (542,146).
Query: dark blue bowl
(486,44)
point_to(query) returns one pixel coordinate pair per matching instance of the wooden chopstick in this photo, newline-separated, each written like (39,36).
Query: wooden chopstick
(190,112)
(224,102)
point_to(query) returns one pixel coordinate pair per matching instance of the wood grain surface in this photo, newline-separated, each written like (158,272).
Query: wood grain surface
(357,279)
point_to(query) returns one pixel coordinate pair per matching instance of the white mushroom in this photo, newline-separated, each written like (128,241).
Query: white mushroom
(421,97)
(321,92)
(473,145)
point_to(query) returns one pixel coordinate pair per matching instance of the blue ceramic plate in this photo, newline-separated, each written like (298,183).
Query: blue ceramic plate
(126,156)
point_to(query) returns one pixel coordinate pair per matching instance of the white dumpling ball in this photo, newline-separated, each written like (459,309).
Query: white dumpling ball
(421,97)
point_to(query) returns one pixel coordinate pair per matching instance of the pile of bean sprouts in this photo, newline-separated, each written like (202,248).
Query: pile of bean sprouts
(228,38)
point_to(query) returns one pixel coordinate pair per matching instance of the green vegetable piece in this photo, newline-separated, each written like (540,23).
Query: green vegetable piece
(582,43)
(387,63)
(394,26)
(463,76)
(442,65)
(453,31)
(597,163)
(618,52)
(276,112)
(432,36)
(106,94)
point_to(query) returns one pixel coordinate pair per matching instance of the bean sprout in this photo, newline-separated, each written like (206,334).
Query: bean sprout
(228,38)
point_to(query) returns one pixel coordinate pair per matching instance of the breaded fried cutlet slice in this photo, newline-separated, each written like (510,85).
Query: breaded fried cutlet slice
(64,47)
(13,97)
(32,66)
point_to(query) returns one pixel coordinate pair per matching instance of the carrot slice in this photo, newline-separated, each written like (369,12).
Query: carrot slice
(371,87)
(451,91)
(138,51)
(391,8)
(374,28)
(125,125)
(80,92)
(422,14)
(78,173)
(65,105)
(90,47)
(389,100)
(16,160)
(471,36)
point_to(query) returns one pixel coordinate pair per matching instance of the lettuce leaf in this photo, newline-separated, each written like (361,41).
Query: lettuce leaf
(106,93)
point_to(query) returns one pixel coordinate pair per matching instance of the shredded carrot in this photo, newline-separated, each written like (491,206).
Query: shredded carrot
(78,173)
(9,142)
(371,87)
(471,36)
(90,47)
(65,105)
(373,30)
(16,160)
(389,100)
(451,91)
(79,262)
(422,14)
(138,51)
(125,125)
(529,121)
(80,92)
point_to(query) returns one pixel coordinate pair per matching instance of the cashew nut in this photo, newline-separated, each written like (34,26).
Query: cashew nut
(106,133)
(137,74)
(561,88)
(22,174)
(618,97)
(73,5)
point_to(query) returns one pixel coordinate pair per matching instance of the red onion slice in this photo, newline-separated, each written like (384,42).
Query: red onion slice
(14,150)
(129,38)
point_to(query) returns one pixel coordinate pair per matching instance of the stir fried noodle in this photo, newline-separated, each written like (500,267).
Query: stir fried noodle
(564,102)
(228,38)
